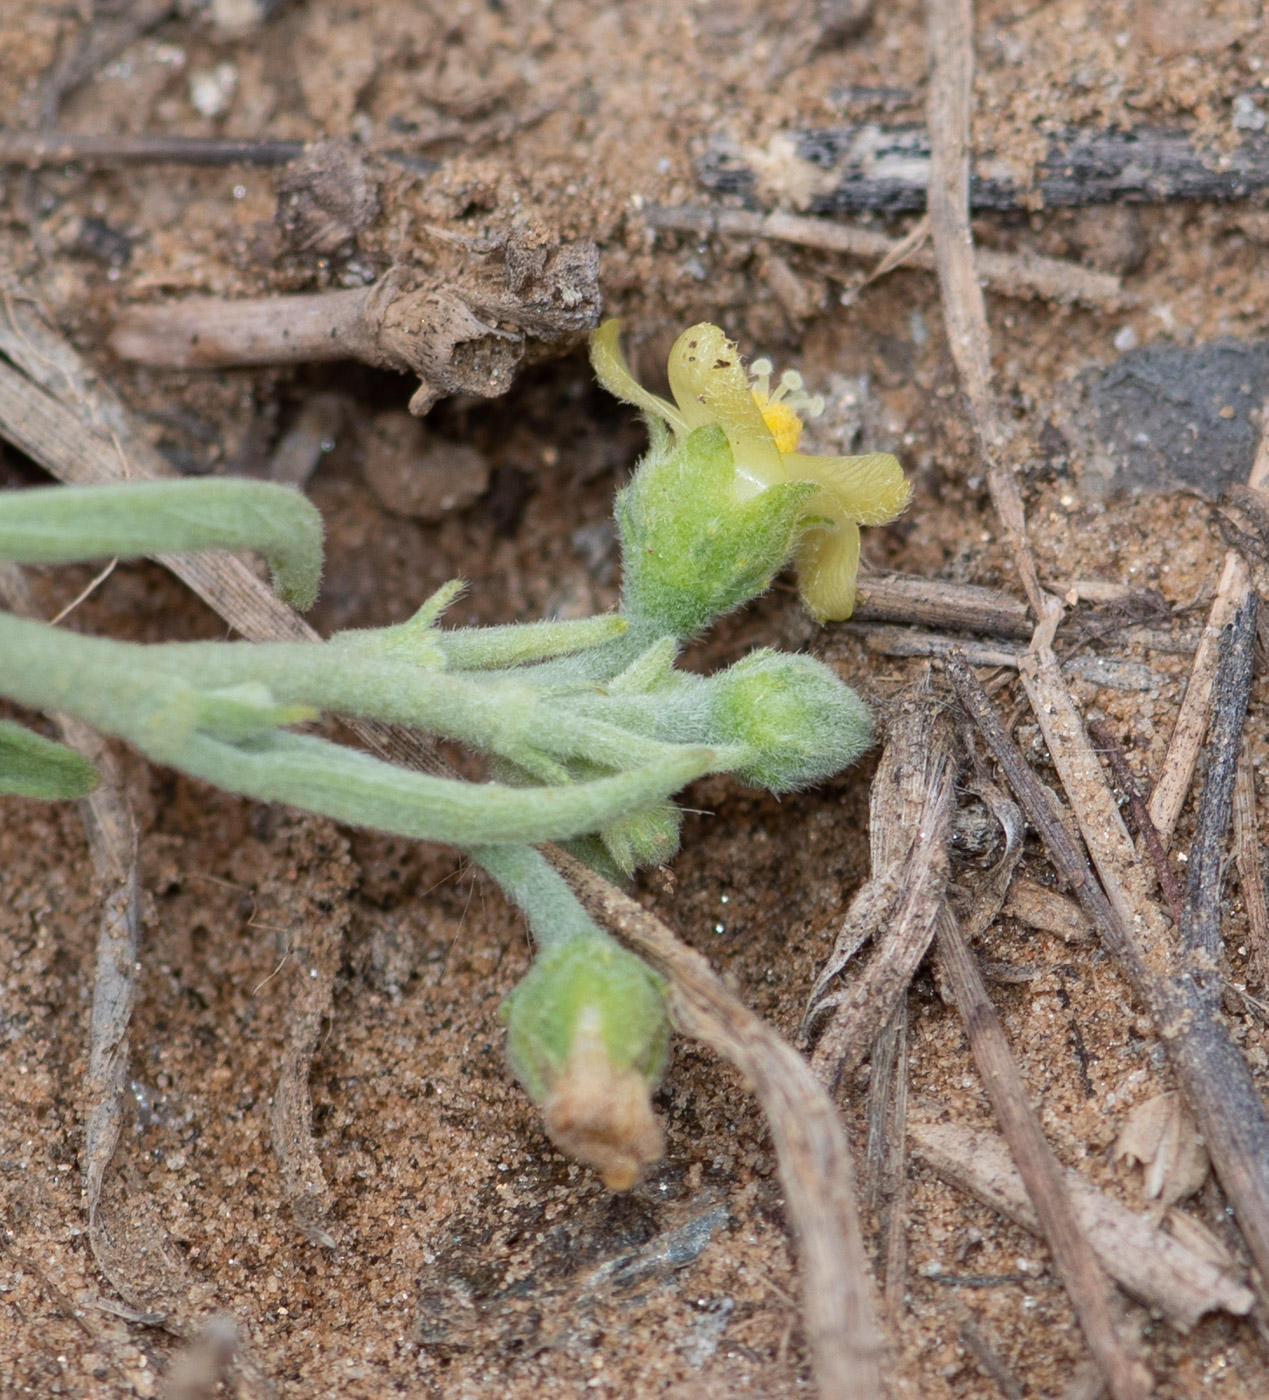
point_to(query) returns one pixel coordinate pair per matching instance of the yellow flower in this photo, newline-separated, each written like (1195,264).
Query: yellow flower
(711,386)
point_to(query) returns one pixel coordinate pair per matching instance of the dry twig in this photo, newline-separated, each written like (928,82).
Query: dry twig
(949,45)
(1011,274)
(1232,592)
(816,1170)
(1201,924)
(886,169)
(1109,745)
(1105,671)
(959,607)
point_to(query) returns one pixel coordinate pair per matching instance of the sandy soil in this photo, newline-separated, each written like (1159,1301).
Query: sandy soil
(471,1259)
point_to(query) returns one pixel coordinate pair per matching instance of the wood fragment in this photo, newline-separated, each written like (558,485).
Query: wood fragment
(1073,1255)
(887,170)
(1210,1068)
(910,809)
(1201,924)
(1043,908)
(1152,1265)
(1109,745)
(940,603)
(1249,859)
(1010,274)
(816,1170)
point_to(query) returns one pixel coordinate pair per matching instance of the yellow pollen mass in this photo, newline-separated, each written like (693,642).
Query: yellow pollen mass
(785,425)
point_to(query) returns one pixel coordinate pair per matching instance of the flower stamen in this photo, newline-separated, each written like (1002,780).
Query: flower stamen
(784,409)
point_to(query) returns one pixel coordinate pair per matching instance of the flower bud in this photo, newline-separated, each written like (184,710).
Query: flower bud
(587,1036)
(794,717)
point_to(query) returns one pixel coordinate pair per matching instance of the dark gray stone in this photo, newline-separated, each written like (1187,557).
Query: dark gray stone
(1169,416)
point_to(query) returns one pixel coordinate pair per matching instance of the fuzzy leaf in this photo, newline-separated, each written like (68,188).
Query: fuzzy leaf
(33,766)
(70,524)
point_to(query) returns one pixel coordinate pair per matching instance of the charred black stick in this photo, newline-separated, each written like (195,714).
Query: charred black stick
(1201,925)
(885,170)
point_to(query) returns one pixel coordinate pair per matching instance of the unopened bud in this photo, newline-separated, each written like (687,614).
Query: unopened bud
(588,1037)
(796,719)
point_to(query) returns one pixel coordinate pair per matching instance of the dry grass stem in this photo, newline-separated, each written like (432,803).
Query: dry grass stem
(950,52)
(1232,591)
(1149,1263)
(1249,858)
(1011,274)
(1099,670)
(1086,1283)
(1109,745)
(816,1170)
(45,148)
(1173,785)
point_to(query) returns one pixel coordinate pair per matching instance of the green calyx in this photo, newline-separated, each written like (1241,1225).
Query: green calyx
(692,551)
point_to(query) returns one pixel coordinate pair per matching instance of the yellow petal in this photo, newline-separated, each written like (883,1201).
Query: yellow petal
(870,490)
(710,385)
(828,566)
(613,373)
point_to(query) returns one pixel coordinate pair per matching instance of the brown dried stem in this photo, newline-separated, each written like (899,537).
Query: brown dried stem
(43,148)
(960,607)
(816,1171)
(950,50)
(1249,857)
(1087,1285)
(1232,591)
(1201,924)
